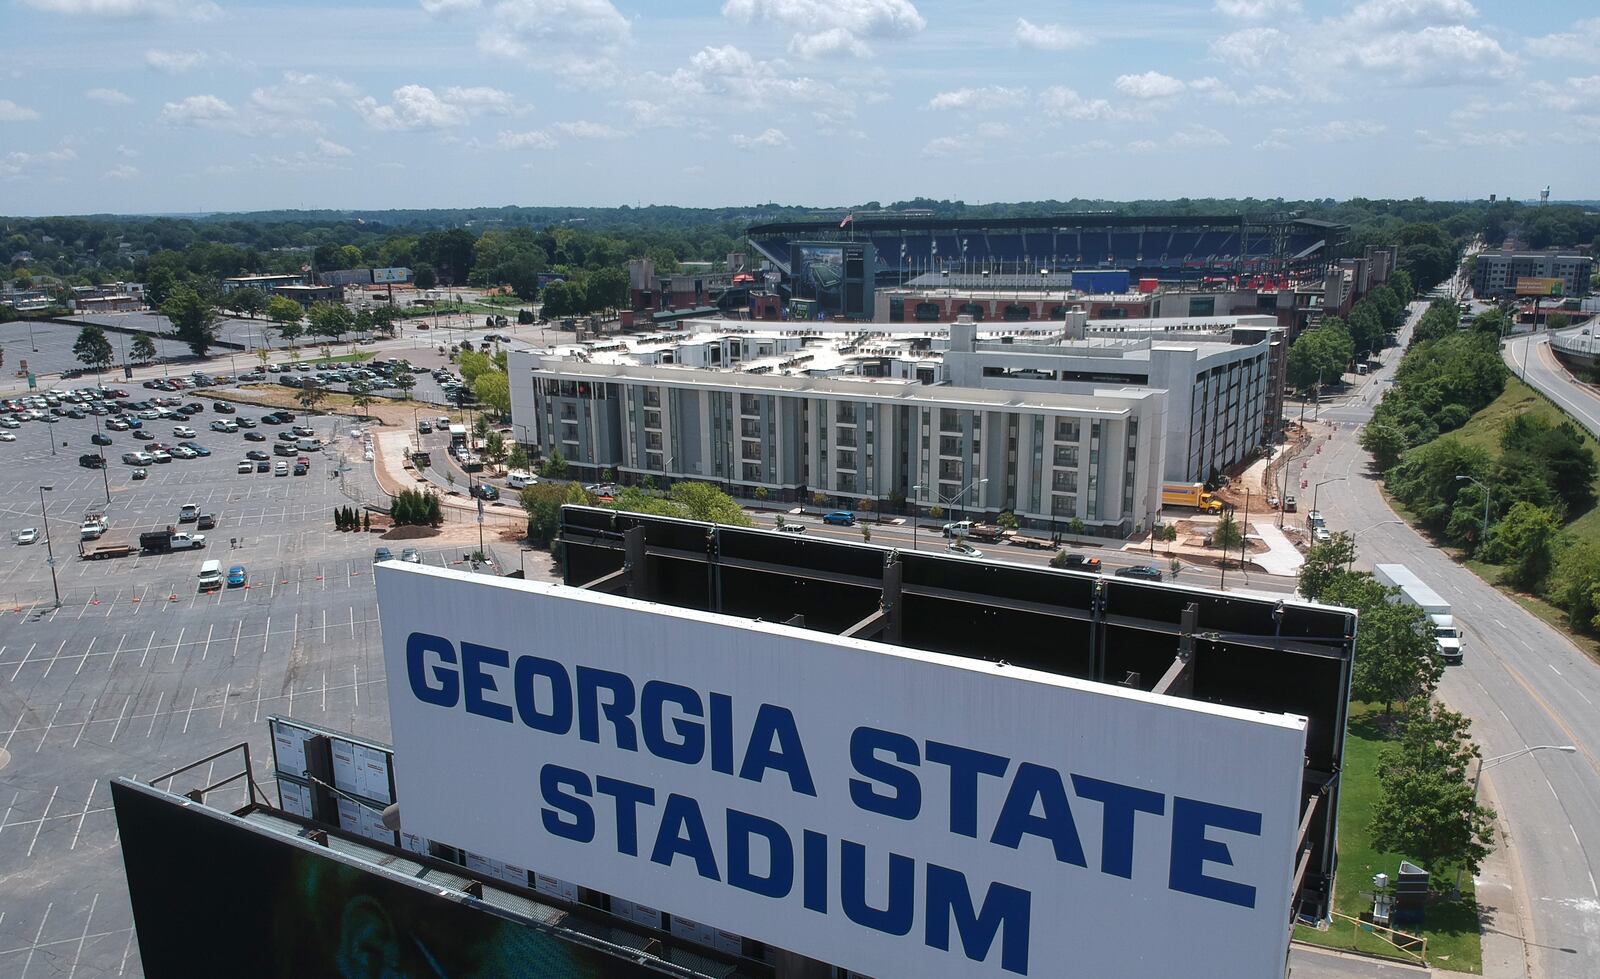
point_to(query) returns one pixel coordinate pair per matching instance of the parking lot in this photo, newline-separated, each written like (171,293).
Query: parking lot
(137,672)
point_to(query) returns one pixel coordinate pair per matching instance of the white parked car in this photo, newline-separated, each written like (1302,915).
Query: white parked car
(7,437)
(160,455)
(184,432)
(149,414)
(27,535)
(224,425)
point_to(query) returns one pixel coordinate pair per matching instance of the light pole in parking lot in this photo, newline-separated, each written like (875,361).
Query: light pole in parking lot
(49,550)
(105,474)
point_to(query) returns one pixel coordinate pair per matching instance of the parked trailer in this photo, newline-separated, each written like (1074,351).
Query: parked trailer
(99,550)
(1037,543)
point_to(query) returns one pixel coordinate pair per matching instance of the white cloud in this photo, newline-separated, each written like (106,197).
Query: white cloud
(198,110)
(1334,131)
(864,18)
(988,97)
(419,107)
(831,27)
(534,140)
(584,129)
(1149,85)
(108,96)
(575,35)
(332,150)
(19,163)
(833,41)
(174,62)
(1391,14)
(1047,37)
(445,7)
(943,147)
(1582,43)
(727,76)
(299,93)
(1196,137)
(121,171)
(770,139)
(192,9)
(127,151)
(1252,49)
(12,112)
(1213,89)
(1257,9)
(1435,56)
(1065,103)
(1573,95)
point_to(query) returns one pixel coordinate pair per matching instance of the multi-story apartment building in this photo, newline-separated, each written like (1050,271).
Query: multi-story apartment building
(1495,273)
(1049,457)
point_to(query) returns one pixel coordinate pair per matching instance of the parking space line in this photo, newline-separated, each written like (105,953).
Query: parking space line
(86,803)
(39,826)
(157,713)
(40,933)
(23,663)
(53,659)
(86,653)
(207,650)
(118,726)
(85,936)
(46,736)
(86,718)
(177,646)
(13,731)
(190,715)
(147,646)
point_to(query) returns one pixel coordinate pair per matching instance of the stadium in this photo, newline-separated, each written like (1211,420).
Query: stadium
(1181,248)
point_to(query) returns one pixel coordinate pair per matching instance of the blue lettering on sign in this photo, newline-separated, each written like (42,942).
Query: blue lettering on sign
(999,801)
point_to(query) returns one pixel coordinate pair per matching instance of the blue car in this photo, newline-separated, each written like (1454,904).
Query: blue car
(237,576)
(841,518)
(132,421)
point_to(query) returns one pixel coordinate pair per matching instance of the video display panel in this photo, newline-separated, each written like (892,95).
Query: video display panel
(214,896)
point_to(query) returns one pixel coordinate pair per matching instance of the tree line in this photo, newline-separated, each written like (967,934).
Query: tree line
(1321,355)
(1506,500)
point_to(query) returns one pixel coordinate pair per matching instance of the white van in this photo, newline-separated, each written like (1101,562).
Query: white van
(309,445)
(210,575)
(517,479)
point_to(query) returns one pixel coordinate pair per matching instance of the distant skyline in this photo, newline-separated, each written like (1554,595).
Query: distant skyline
(158,106)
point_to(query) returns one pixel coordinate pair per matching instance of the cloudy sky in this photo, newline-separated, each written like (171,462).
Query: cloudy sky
(211,105)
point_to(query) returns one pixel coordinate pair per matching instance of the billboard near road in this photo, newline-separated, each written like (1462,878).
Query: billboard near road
(1535,286)
(385,276)
(887,810)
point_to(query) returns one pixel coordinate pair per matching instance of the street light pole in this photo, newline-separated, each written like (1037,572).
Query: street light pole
(1314,489)
(1352,562)
(49,550)
(1483,533)
(916,505)
(1497,759)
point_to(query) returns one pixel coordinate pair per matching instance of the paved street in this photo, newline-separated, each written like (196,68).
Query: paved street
(1530,358)
(1522,684)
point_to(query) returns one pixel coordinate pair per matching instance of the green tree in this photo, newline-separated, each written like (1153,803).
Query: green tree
(1386,443)
(494,447)
(517,458)
(554,467)
(1525,540)
(424,277)
(1227,535)
(1427,808)
(1323,352)
(193,319)
(285,315)
(1575,585)
(361,397)
(311,394)
(493,388)
(1397,657)
(1076,528)
(144,348)
(92,348)
(405,381)
(1557,321)
(1008,521)
(1324,563)
(331,320)
(543,503)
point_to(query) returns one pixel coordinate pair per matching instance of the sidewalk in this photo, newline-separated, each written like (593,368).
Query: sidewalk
(1282,557)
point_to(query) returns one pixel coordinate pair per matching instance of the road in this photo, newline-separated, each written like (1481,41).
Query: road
(1529,357)
(1522,683)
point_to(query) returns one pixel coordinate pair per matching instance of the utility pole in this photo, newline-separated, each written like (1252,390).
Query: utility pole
(49,550)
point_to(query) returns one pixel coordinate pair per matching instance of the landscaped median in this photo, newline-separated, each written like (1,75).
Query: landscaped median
(1451,927)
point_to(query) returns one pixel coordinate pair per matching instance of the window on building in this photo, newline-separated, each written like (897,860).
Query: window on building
(1064,506)
(1067,456)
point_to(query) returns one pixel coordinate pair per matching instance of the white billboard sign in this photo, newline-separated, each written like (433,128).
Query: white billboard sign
(383,276)
(886,810)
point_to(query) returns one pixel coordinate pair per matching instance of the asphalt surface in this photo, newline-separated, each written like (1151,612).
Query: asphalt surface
(1522,684)
(137,673)
(1530,358)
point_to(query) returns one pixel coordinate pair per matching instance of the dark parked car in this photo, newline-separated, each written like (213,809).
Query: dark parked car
(382,554)
(223,408)
(256,455)
(100,438)
(1080,562)
(254,437)
(263,466)
(1142,571)
(485,491)
(206,521)
(143,435)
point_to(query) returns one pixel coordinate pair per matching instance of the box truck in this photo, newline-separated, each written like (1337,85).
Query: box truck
(1414,592)
(1190,495)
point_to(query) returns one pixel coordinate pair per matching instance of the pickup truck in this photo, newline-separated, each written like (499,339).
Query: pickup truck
(170,539)
(92,529)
